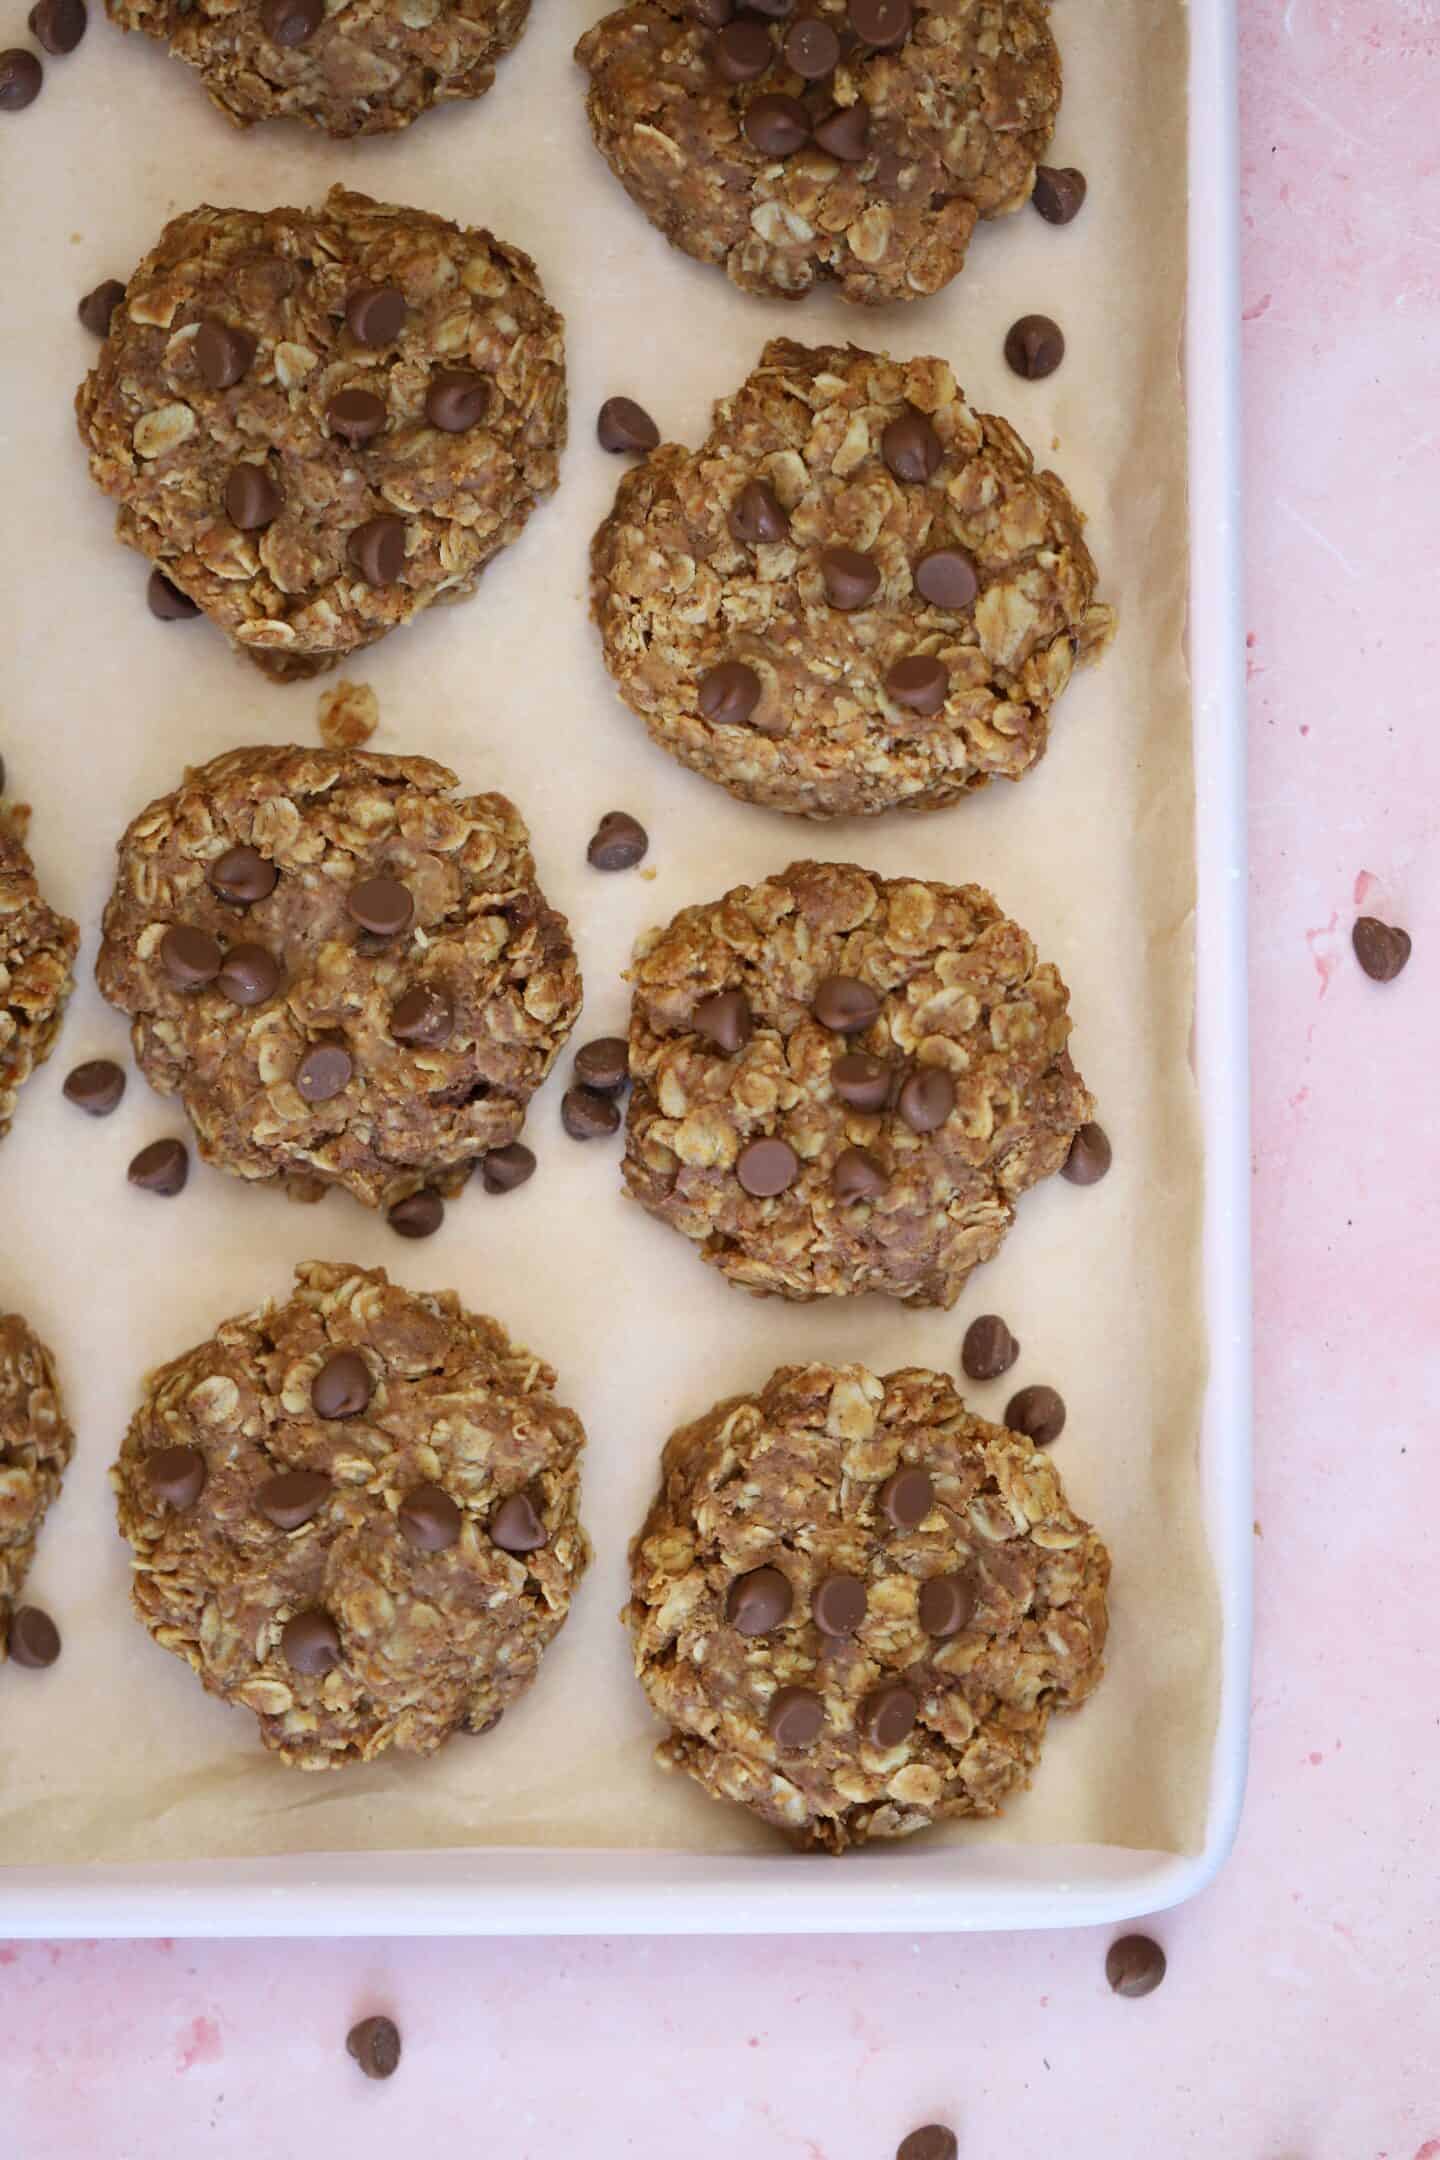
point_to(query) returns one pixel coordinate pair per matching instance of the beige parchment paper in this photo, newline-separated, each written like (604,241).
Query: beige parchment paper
(116,1754)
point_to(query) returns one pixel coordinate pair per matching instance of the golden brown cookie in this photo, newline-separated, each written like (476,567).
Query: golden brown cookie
(36,1444)
(37,954)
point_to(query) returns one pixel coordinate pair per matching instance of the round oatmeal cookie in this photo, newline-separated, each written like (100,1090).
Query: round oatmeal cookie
(853,141)
(364,67)
(843,1082)
(37,954)
(36,1443)
(345,971)
(857,595)
(356,1514)
(856,1605)
(318,422)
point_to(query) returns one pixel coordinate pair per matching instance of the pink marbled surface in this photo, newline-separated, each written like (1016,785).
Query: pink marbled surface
(1301,2016)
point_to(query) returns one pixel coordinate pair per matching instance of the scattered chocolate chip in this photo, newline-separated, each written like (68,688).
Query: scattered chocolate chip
(743,50)
(430,1519)
(190,957)
(58,25)
(858,1175)
(343,1387)
(506,1167)
(946,1604)
(422,1016)
(887,1716)
(774,10)
(223,354)
(1034,347)
(728,694)
(757,1602)
(381,905)
(812,48)
(989,1348)
(757,515)
(376,314)
(907,1496)
(845,1005)
(795,1718)
(293,1497)
(249,976)
(767,1167)
(927,1099)
(166,602)
(1134,1965)
(946,578)
(845,133)
(776,124)
(34,1638)
(242,876)
(919,682)
(911,448)
(418,1215)
(457,400)
(252,498)
(862,1081)
(838,1605)
(880,22)
(711,14)
(324,1072)
(603,1064)
(20,78)
(851,579)
(97,307)
(516,1527)
(375,2045)
(1038,1412)
(623,425)
(586,1114)
(161,1168)
(291,22)
(356,416)
(1089,1157)
(725,1020)
(176,1474)
(932,2141)
(1059,192)
(95,1087)
(618,843)
(377,549)
(1382,949)
(311,1642)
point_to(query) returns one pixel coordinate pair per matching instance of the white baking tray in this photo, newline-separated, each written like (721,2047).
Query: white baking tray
(880,1888)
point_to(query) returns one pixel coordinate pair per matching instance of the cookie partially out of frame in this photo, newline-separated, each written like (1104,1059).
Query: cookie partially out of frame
(37,954)
(36,1444)
(856,1605)
(355,1514)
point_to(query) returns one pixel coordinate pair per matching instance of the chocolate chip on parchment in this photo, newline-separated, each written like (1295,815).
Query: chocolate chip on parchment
(1034,347)
(242,876)
(1059,192)
(776,124)
(851,579)
(342,1388)
(429,1518)
(743,50)
(457,400)
(728,694)
(166,602)
(161,1168)
(586,1114)
(887,1716)
(250,975)
(1382,949)
(946,1604)
(58,25)
(911,448)
(1135,1965)
(757,1602)
(324,1072)
(293,1497)
(375,2045)
(381,905)
(176,1474)
(291,22)
(1038,1412)
(1089,1157)
(812,48)
(190,957)
(624,426)
(919,682)
(845,133)
(516,1526)
(767,1168)
(505,1168)
(252,498)
(356,416)
(222,354)
(932,2141)
(97,307)
(907,1496)
(795,1718)
(838,1606)
(418,1215)
(725,1020)
(424,1016)
(21,76)
(618,843)
(376,314)
(757,515)
(34,1638)
(946,578)
(883,23)
(311,1642)
(95,1087)
(377,549)
(989,1348)
(858,1175)
(603,1064)
(927,1099)
(845,1005)
(862,1081)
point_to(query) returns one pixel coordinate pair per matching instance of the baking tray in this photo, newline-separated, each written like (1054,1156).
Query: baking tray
(921,1884)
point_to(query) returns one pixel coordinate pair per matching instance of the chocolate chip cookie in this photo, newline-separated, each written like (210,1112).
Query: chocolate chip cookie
(345,970)
(36,1443)
(842,1082)
(857,595)
(856,1605)
(365,67)
(316,423)
(356,1514)
(798,142)
(37,953)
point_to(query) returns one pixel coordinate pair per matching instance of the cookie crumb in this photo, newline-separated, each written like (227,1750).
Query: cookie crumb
(347,716)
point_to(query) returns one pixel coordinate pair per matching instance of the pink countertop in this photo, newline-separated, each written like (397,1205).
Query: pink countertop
(1301,2016)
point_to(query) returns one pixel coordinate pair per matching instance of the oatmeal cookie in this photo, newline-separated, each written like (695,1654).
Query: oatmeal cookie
(36,1443)
(856,1605)
(857,595)
(364,67)
(843,1082)
(37,953)
(318,422)
(356,1514)
(344,970)
(852,141)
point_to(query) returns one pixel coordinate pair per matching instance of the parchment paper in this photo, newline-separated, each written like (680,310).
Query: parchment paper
(116,1754)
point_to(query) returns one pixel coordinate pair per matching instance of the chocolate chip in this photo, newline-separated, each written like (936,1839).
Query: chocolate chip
(946,1604)
(603,1064)
(946,578)
(418,1215)
(166,602)
(858,1175)
(375,2045)
(311,1642)
(478,1732)
(242,876)
(989,1348)
(618,843)
(381,905)
(911,448)
(757,1602)
(376,314)
(845,133)
(516,1527)
(728,694)
(423,1015)
(190,957)
(932,2141)
(845,1005)
(1382,949)
(586,1114)
(506,1167)
(774,10)
(1059,192)
(1034,347)
(743,50)
(622,425)
(907,1496)
(725,1020)
(919,682)
(457,400)
(356,416)
(776,124)
(291,22)
(34,1638)
(851,579)
(838,1605)
(927,1099)
(812,48)
(795,1718)
(97,307)
(1038,1412)
(223,355)
(1134,1965)
(176,1474)
(95,1087)
(343,1387)
(1089,1157)
(324,1072)
(293,1497)
(161,1168)
(767,1167)
(252,498)
(862,1081)
(377,549)
(711,14)
(430,1519)
(887,1716)
(757,515)
(250,975)
(880,22)
(58,25)
(20,78)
